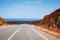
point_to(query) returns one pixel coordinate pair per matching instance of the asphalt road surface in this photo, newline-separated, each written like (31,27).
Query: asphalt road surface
(24,32)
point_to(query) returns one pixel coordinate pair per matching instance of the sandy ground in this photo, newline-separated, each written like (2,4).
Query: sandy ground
(49,31)
(6,26)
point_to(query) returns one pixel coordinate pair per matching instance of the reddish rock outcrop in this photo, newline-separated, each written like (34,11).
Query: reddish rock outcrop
(2,22)
(52,20)
(50,23)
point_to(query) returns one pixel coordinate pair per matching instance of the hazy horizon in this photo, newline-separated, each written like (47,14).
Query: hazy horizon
(21,19)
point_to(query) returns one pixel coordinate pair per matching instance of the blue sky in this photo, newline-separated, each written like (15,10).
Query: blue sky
(27,8)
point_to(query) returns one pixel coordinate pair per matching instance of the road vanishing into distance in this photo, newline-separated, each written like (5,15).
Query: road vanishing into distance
(24,32)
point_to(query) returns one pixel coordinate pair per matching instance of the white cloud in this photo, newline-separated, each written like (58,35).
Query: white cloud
(28,1)
(38,2)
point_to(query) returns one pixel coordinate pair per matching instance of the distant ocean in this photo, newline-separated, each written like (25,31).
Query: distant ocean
(22,19)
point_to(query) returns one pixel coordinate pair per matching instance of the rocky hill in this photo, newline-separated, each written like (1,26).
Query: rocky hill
(51,20)
(2,22)
(50,23)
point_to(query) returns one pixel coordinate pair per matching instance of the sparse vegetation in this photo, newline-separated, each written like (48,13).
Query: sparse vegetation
(51,21)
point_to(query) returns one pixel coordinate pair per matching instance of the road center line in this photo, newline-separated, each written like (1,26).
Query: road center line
(14,33)
(39,33)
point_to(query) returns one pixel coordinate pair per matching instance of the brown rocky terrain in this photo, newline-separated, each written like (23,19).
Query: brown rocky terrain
(3,22)
(51,22)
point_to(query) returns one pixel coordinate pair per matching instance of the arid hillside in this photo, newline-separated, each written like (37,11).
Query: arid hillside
(51,22)
(3,22)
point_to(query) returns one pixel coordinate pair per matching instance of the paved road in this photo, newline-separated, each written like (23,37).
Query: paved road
(24,32)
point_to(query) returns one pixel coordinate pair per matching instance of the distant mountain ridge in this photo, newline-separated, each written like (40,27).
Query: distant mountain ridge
(21,19)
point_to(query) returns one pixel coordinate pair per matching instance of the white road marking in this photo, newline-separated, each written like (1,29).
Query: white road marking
(28,34)
(14,33)
(39,33)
